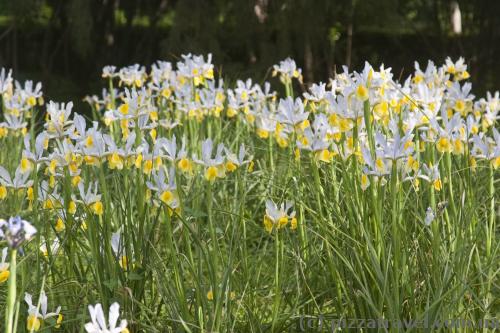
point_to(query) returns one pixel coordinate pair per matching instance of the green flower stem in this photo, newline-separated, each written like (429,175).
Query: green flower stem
(277,286)
(377,220)
(213,235)
(368,125)
(301,226)
(271,157)
(396,243)
(239,204)
(289,88)
(490,237)
(177,274)
(450,188)
(11,296)
(112,126)
(492,215)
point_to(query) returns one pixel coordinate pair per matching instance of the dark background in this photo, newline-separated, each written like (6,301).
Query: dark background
(65,43)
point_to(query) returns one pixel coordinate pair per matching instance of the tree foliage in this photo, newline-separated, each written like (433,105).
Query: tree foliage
(73,39)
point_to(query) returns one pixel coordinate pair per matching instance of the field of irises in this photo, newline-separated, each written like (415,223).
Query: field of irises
(182,203)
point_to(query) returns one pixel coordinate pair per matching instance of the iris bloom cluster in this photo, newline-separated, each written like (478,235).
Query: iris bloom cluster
(387,129)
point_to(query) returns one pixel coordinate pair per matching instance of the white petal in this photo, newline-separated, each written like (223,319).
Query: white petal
(99,316)
(43,303)
(91,328)
(4,254)
(114,313)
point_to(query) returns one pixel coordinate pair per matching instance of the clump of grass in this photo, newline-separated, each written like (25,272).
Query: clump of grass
(202,207)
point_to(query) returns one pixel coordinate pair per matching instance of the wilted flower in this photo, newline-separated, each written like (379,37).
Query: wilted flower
(16,231)
(429,216)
